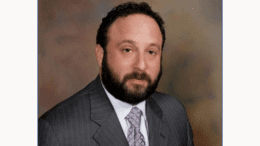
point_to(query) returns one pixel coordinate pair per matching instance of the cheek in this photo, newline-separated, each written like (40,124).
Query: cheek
(154,69)
(120,67)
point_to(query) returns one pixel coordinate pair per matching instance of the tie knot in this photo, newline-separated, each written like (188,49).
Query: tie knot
(134,116)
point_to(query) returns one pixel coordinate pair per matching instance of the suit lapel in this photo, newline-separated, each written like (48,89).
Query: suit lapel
(157,129)
(102,113)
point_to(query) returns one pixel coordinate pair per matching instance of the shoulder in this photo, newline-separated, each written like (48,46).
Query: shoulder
(171,106)
(175,116)
(166,101)
(68,119)
(70,108)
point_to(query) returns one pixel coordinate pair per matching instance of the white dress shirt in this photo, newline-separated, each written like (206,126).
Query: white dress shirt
(122,109)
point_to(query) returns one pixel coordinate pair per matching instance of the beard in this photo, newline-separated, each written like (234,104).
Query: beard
(121,91)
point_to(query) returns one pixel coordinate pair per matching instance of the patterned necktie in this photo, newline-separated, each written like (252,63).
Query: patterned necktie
(134,136)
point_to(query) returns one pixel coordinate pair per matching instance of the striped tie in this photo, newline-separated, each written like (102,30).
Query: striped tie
(134,136)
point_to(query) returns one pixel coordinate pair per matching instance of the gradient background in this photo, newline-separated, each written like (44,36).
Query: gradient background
(192,56)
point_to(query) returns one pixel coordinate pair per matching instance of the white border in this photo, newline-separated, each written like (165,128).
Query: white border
(18,75)
(241,78)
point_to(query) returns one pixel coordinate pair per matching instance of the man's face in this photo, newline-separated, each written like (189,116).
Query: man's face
(131,67)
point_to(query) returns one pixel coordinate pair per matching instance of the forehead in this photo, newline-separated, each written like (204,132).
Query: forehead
(136,27)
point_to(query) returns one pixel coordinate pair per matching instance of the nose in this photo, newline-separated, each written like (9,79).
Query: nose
(140,64)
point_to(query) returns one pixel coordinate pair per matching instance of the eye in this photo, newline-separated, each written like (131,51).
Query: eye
(151,52)
(127,50)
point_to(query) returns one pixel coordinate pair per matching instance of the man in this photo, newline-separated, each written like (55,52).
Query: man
(120,107)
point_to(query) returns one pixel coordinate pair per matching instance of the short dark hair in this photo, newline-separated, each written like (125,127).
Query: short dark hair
(124,10)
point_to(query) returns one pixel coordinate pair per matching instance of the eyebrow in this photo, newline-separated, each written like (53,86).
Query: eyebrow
(133,43)
(156,45)
(126,41)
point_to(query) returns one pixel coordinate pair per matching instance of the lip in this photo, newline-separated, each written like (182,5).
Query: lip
(135,81)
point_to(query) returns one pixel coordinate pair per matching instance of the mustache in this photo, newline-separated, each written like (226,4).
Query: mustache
(137,76)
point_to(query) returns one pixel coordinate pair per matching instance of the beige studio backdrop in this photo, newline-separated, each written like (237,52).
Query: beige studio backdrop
(192,56)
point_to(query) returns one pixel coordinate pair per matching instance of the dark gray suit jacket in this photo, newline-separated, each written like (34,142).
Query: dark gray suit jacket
(88,119)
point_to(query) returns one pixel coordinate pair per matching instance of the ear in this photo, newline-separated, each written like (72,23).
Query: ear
(99,52)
